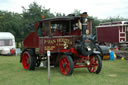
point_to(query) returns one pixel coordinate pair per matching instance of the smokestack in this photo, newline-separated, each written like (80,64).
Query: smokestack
(84,22)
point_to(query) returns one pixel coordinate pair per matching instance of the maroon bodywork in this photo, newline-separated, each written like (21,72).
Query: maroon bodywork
(63,37)
(53,41)
(116,32)
(31,41)
(108,34)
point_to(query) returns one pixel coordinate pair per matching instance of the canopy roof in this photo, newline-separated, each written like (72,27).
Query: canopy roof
(63,18)
(6,35)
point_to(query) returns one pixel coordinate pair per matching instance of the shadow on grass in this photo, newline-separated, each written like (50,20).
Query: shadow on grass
(81,71)
(56,70)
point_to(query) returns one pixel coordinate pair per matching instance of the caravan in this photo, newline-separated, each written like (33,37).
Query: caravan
(7,43)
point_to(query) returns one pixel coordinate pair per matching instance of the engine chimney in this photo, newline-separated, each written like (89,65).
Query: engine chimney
(84,22)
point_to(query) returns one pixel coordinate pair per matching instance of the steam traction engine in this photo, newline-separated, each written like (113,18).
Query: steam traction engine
(68,40)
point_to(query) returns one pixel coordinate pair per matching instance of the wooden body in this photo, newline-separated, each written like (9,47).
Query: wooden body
(49,38)
(114,33)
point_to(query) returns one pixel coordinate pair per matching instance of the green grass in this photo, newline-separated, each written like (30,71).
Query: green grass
(12,73)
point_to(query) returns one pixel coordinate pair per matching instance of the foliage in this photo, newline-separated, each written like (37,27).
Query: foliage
(34,14)
(95,22)
(21,24)
(112,19)
(59,14)
(11,22)
(76,12)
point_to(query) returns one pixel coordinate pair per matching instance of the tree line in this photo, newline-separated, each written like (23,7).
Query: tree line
(20,24)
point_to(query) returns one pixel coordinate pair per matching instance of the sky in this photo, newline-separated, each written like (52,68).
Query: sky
(97,8)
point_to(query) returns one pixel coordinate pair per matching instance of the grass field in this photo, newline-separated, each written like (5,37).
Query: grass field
(12,73)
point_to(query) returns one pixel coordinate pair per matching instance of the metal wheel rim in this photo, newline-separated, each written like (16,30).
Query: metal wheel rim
(93,64)
(26,61)
(64,66)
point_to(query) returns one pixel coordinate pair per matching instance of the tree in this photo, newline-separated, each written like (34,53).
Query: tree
(34,14)
(112,19)
(59,14)
(21,24)
(11,22)
(95,22)
(76,12)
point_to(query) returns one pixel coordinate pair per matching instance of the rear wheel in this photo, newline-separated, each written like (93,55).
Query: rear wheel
(28,60)
(66,65)
(95,64)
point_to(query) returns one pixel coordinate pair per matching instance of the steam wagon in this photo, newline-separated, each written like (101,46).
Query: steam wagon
(68,41)
(113,32)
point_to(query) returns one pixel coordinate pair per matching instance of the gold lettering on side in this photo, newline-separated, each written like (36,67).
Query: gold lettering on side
(49,47)
(68,41)
(49,41)
(52,44)
(65,45)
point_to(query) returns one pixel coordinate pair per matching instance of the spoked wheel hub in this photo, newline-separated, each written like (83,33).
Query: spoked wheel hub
(95,64)
(66,65)
(26,60)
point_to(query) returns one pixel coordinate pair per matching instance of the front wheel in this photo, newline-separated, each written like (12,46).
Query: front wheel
(28,60)
(95,64)
(66,65)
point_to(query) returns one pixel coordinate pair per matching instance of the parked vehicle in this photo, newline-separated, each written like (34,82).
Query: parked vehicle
(67,39)
(113,32)
(7,43)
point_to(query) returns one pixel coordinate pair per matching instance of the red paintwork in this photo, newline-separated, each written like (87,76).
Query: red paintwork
(122,34)
(64,65)
(112,32)
(76,32)
(26,61)
(122,39)
(59,40)
(72,50)
(93,60)
(89,26)
(12,51)
(65,50)
(31,41)
(93,64)
(56,44)
(108,34)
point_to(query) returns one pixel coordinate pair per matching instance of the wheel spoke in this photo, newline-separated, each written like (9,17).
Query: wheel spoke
(95,59)
(91,68)
(26,60)
(93,64)
(64,65)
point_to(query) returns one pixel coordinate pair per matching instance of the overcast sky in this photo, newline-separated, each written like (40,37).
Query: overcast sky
(97,8)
